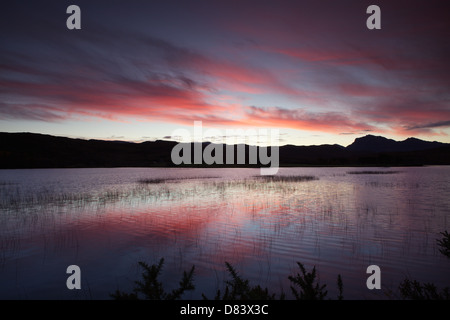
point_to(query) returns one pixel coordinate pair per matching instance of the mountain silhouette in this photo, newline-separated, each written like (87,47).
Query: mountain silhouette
(31,150)
(372,143)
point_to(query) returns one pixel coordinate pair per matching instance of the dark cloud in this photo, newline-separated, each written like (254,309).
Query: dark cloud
(430,125)
(31,112)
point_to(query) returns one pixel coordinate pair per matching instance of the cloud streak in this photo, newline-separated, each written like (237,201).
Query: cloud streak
(305,68)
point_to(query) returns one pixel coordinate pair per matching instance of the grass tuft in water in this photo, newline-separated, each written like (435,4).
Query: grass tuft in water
(152,181)
(372,172)
(287,178)
(164,180)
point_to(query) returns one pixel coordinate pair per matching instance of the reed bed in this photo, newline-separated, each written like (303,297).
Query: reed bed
(151,189)
(372,172)
(178,179)
(286,178)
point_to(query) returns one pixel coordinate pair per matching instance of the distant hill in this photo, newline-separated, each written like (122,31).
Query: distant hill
(372,143)
(30,150)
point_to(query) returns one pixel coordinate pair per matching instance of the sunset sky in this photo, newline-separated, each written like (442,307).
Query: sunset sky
(138,70)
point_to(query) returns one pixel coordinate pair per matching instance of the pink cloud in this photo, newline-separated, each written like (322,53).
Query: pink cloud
(328,71)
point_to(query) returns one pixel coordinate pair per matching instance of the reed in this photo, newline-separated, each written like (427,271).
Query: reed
(178,179)
(286,178)
(372,172)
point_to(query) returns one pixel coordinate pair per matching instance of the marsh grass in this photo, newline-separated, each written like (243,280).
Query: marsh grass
(18,201)
(153,180)
(286,178)
(372,172)
(173,180)
(279,184)
(378,184)
(152,189)
(161,192)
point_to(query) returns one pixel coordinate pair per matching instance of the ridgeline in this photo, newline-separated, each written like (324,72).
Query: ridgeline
(30,150)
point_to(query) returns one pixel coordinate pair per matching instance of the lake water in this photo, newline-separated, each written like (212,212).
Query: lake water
(106,220)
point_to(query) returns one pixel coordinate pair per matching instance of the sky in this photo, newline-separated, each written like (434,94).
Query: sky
(141,70)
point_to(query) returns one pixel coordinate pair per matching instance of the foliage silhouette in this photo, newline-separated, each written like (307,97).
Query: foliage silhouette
(340,287)
(444,244)
(304,285)
(305,281)
(237,288)
(152,289)
(414,290)
(240,289)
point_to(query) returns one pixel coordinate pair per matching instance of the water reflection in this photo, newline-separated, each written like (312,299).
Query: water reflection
(105,220)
